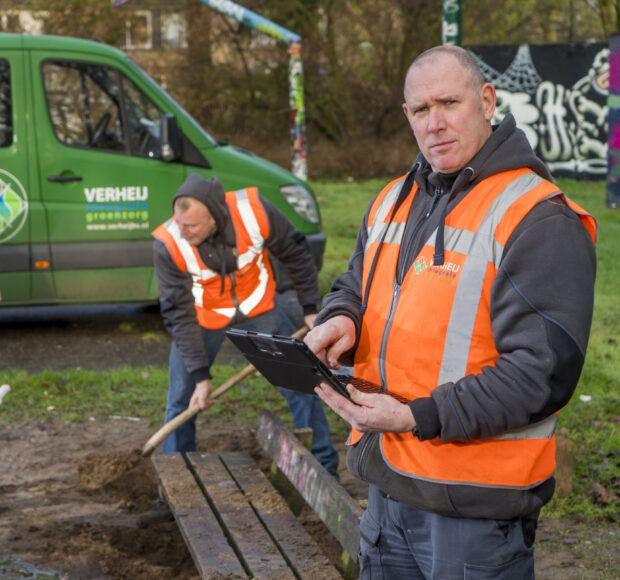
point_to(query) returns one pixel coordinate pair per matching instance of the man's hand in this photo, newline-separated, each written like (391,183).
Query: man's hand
(331,339)
(372,413)
(309,320)
(201,394)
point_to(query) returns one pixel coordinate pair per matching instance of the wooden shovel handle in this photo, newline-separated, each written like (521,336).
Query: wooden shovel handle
(186,415)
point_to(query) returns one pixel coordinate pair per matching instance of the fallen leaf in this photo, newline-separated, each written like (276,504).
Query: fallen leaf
(601,493)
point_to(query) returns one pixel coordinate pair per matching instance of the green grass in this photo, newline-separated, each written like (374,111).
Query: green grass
(342,207)
(592,426)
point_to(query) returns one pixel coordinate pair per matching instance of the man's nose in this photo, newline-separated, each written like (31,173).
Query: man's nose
(435,120)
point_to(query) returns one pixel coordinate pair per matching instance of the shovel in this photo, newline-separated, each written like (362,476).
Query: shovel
(169,427)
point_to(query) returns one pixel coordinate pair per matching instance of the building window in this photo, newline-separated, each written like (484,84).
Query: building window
(22,21)
(139,31)
(174,30)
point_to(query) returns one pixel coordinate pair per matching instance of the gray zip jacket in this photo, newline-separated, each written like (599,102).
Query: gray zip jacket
(541,312)
(218,253)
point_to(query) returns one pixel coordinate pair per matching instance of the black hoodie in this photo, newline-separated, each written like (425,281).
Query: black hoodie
(541,301)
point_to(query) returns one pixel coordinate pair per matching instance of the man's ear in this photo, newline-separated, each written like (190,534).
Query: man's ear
(488,99)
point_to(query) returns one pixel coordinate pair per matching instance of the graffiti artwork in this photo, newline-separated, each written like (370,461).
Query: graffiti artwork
(613,101)
(558,95)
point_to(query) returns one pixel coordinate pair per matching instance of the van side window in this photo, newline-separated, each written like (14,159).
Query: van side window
(144,121)
(6,116)
(97,107)
(84,104)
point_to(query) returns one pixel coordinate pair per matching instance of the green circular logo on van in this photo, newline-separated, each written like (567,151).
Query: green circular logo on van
(13,206)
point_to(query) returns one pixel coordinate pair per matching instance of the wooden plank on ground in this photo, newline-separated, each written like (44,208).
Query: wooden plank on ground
(300,549)
(244,530)
(336,508)
(210,550)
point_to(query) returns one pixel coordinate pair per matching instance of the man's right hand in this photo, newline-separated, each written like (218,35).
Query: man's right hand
(201,394)
(331,339)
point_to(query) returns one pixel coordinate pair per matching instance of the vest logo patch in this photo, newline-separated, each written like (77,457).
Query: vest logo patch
(449,271)
(420,265)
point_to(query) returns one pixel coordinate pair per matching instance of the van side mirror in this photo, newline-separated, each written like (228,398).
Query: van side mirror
(170,138)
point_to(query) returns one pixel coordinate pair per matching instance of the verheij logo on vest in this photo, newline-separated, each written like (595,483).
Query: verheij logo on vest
(420,265)
(13,206)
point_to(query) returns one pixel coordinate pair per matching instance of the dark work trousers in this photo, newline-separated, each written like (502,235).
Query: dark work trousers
(400,542)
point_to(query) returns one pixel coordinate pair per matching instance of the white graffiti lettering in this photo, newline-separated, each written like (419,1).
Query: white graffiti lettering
(451,6)
(565,124)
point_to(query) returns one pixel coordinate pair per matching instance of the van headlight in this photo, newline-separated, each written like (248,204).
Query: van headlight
(302,202)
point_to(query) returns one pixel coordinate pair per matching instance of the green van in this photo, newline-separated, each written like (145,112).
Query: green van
(91,153)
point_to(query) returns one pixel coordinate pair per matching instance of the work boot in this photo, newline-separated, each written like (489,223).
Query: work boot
(156,515)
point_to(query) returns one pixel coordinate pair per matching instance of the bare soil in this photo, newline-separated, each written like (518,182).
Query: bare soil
(70,494)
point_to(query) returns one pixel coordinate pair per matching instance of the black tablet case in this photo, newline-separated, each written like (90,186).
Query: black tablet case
(284,361)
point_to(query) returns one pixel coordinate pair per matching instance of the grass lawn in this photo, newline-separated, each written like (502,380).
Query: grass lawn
(591,418)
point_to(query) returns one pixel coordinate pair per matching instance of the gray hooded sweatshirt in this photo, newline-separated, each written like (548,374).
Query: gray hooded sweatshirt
(541,312)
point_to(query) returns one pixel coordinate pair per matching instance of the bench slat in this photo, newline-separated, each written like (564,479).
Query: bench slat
(301,550)
(338,511)
(246,532)
(199,527)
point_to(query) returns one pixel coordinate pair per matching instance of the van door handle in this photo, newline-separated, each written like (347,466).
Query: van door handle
(64,178)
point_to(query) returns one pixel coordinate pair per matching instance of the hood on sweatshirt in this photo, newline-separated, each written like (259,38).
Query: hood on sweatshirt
(210,192)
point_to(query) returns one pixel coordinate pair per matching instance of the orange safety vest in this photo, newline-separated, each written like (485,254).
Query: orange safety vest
(251,288)
(436,328)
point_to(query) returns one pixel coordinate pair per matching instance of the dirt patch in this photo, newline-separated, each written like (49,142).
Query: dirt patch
(71,497)
(70,494)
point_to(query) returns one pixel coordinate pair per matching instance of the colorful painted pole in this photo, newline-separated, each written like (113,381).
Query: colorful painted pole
(451,23)
(295,74)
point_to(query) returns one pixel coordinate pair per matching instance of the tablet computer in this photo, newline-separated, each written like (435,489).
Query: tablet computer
(285,361)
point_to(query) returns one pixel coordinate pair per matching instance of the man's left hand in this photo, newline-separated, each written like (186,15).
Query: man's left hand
(201,394)
(372,413)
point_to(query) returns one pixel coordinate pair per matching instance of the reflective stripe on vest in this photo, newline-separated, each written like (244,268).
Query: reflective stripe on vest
(436,328)
(251,288)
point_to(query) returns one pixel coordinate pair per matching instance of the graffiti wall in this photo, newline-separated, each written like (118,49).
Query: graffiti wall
(613,102)
(558,95)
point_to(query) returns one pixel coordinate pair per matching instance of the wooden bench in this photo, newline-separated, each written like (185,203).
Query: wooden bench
(236,524)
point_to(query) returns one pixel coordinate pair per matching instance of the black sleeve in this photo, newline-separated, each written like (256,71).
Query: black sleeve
(541,312)
(177,309)
(291,248)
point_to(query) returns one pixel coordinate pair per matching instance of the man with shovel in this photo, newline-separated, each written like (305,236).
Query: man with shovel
(214,273)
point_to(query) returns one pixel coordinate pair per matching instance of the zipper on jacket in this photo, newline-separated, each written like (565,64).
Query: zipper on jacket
(400,274)
(397,285)
(232,291)
(434,200)
(364,452)
(386,332)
